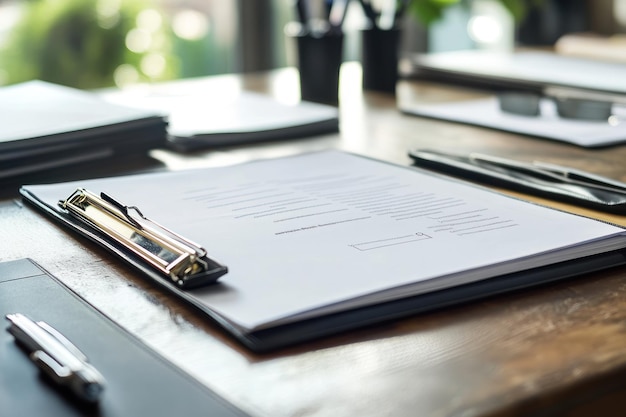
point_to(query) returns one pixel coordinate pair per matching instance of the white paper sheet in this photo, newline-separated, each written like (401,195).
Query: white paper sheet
(231,117)
(486,112)
(528,68)
(37,109)
(316,230)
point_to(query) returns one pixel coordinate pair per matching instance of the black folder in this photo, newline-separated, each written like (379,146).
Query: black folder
(50,126)
(139,382)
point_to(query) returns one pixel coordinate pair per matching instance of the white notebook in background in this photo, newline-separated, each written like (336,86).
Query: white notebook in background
(534,70)
(205,120)
(522,69)
(548,125)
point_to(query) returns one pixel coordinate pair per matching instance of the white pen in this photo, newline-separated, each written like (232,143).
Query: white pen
(55,355)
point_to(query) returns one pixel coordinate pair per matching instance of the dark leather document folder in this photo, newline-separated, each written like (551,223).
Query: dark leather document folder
(47,126)
(139,382)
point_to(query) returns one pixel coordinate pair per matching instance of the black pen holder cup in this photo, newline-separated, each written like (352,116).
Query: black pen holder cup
(319,62)
(379,59)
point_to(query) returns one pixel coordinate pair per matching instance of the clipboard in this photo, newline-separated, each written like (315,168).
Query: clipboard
(304,328)
(139,382)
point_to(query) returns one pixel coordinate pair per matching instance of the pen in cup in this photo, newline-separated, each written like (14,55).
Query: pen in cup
(318,17)
(57,357)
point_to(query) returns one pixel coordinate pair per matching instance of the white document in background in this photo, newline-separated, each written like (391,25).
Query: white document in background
(204,118)
(486,112)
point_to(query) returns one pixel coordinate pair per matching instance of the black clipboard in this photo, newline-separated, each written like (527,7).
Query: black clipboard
(139,382)
(333,324)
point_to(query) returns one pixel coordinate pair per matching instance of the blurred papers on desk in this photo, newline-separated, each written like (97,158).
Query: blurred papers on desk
(550,77)
(594,46)
(532,70)
(203,119)
(48,126)
(548,125)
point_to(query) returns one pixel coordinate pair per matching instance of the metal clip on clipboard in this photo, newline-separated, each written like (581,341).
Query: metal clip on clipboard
(175,257)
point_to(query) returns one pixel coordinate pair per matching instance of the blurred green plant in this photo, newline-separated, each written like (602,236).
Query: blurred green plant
(83,44)
(429,11)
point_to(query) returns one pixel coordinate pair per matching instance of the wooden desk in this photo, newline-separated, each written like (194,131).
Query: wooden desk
(555,350)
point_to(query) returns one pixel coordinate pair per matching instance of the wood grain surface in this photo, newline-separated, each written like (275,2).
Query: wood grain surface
(559,349)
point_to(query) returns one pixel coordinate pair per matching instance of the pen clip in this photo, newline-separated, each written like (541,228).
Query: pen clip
(53,368)
(86,382)
(548,172)
(586,177)
(494,161)
(63,340)
(39,336)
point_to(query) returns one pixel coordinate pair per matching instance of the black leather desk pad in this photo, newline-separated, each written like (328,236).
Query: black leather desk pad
(139,381)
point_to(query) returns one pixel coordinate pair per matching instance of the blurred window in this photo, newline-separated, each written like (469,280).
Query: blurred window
(100,43)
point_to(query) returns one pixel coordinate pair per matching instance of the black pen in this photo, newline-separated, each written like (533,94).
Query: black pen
(369,12)
(561,184)
(550,172)
(579,175)
(57,357)
(301,11)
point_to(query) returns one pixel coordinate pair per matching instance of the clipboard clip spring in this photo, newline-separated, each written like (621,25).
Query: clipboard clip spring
(184,262)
